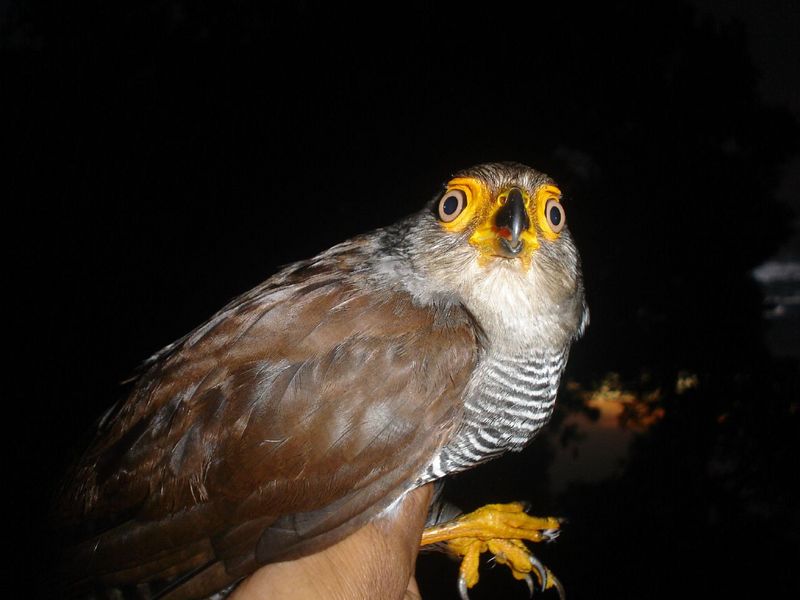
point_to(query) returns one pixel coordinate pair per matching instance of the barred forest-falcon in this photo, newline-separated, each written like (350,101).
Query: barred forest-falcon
(308,406)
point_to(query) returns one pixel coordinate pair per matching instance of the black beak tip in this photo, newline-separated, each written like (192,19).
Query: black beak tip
(511,249)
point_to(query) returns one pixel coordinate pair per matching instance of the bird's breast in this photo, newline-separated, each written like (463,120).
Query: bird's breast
(508,400)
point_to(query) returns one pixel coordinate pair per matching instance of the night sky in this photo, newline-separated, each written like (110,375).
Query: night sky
(168,156)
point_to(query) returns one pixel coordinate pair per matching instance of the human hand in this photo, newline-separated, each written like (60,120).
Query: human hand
(377,561)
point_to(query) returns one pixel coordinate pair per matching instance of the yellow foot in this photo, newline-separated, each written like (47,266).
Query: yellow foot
(498,529)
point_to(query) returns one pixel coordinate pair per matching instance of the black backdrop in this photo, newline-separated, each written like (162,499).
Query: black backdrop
(168,156)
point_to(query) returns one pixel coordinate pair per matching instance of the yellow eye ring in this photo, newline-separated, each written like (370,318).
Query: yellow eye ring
(549,212)
(469,195)
(554,215)
(451,204)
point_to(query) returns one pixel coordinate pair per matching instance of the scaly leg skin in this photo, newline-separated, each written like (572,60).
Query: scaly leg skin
(498,529)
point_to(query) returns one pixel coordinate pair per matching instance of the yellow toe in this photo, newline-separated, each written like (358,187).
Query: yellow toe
(499,529)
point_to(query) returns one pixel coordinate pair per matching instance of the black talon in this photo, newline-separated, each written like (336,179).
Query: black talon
(562,594)
(541,571)
(529,581)
(550,535)
(462,588)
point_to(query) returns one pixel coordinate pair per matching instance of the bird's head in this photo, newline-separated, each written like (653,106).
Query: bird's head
(507,211)
(496,238)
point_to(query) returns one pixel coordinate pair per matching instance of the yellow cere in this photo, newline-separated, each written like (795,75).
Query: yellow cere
(543,194)
(481,209)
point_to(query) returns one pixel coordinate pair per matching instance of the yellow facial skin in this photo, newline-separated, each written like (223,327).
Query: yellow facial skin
(480,213)
(543,194)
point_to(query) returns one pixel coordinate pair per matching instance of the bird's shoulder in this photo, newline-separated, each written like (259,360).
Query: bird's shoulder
(320,344)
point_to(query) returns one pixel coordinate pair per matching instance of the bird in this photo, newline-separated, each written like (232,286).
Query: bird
(311,404)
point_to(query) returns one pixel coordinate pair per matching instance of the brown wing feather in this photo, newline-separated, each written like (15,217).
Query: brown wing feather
(296,414)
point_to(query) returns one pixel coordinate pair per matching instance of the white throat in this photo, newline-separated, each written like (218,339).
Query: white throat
(512,306)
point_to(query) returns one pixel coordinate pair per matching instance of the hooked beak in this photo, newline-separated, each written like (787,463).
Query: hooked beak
(510,222)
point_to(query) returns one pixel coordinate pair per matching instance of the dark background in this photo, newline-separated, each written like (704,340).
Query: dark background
(167,156)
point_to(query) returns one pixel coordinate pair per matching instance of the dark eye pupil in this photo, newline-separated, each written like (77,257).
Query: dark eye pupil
(555,216)
(450,205)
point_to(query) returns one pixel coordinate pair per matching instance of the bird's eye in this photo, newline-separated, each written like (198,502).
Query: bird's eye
(451,205)
(554,214)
